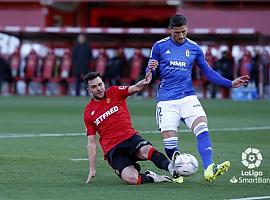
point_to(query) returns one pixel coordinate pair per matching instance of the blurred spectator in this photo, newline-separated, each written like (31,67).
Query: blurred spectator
(31,68)
(101,62)
(48,71)
(225,67)
(245,64)
(265,59)
(31,65)
(207,85)
(5,72)
(137,66)
(254,71)
(65,72)
(15,62)
(114,68)
(81,60)
(124,64)
(48,65)
(136,71)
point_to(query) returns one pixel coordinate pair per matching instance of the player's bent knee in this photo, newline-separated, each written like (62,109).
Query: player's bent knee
(130,175)
(192,123)
(132,180)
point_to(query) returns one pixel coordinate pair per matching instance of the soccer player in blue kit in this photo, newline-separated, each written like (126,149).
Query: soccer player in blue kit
(172,59)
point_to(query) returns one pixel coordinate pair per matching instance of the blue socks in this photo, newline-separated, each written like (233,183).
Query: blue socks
(204,143)
(205,148)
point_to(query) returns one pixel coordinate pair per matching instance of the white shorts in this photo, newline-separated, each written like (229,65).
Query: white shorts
(170,113)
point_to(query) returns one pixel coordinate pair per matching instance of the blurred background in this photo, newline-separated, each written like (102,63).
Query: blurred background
(42,43)
(47,45)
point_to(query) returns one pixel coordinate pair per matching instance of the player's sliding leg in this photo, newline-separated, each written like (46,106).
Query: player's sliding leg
(131,176)
(158,178)
(160,160)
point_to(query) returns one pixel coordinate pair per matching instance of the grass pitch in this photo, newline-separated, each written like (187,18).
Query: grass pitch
(34,165)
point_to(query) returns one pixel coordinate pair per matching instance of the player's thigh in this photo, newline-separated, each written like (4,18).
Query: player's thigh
(191,109)
(167,115)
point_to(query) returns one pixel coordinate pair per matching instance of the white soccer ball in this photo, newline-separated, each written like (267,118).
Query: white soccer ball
(186,164)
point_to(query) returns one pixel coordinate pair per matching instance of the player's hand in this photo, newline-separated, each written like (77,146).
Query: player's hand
(91,175)
(148,78)
(240,81)
(152,64)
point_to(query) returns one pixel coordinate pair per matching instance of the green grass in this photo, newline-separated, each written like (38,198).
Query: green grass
(40,167)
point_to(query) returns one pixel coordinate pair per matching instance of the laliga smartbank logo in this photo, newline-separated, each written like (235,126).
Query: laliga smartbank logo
(251,159)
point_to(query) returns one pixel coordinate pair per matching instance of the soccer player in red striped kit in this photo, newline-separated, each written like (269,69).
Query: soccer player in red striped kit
(107,114)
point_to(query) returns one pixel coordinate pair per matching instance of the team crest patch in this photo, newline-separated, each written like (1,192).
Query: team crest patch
(108,100)
(92,113)
(187,53)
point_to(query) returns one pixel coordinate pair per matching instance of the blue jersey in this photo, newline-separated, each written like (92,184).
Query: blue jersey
(175,68)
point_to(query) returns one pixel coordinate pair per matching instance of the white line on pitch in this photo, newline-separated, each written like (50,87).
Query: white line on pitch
(252,198)
(223,129)
(78,159)
(27,135)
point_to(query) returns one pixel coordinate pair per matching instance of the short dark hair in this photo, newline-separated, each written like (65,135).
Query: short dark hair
(177,21)
(90,76)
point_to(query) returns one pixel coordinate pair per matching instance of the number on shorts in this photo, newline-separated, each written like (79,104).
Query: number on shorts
(158,115)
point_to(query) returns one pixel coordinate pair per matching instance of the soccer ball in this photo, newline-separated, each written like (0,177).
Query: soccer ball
(186,164)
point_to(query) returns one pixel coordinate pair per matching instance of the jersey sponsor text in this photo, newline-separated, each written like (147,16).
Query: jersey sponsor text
(106,114)
(178,63)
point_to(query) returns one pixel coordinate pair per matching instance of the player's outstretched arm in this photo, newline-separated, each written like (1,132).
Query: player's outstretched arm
(140,86)
(240,81)
(92,152)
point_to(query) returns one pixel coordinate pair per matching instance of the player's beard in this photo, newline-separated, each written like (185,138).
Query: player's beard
(99,98)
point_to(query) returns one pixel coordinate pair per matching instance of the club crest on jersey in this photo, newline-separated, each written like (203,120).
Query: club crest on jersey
(108,100)
(187,53)
(92,113)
